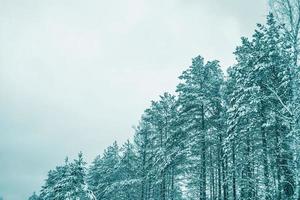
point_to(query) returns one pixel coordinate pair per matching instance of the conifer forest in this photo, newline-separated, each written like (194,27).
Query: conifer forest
(231,135)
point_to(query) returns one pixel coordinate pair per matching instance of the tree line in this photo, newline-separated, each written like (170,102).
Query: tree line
(220,137)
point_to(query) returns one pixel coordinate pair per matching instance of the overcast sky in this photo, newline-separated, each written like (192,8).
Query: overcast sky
(77,75)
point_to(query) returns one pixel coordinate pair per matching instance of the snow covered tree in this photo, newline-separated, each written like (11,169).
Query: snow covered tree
(257,112)
(67,182)
(49,189)
(143,150)
(103,174)
(200,108)
(288,13)
(128,183)
(159,149)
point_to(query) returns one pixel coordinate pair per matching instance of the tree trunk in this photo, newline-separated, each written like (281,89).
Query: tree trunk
(212,175)
(219,176)
(265,154)
(278,161)
(172,184)
(163,186)
(233,172)
(203,157)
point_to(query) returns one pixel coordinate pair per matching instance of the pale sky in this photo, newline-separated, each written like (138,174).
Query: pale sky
(77,75)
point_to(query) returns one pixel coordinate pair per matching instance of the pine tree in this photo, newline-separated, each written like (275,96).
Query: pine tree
(67,182)
(257,106)
(157,134)
(142,145)
(103,174)
(128,181)
(200,106)
(50,188)
(159,150)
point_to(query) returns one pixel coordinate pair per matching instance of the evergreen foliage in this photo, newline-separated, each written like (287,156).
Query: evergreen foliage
(219,138)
